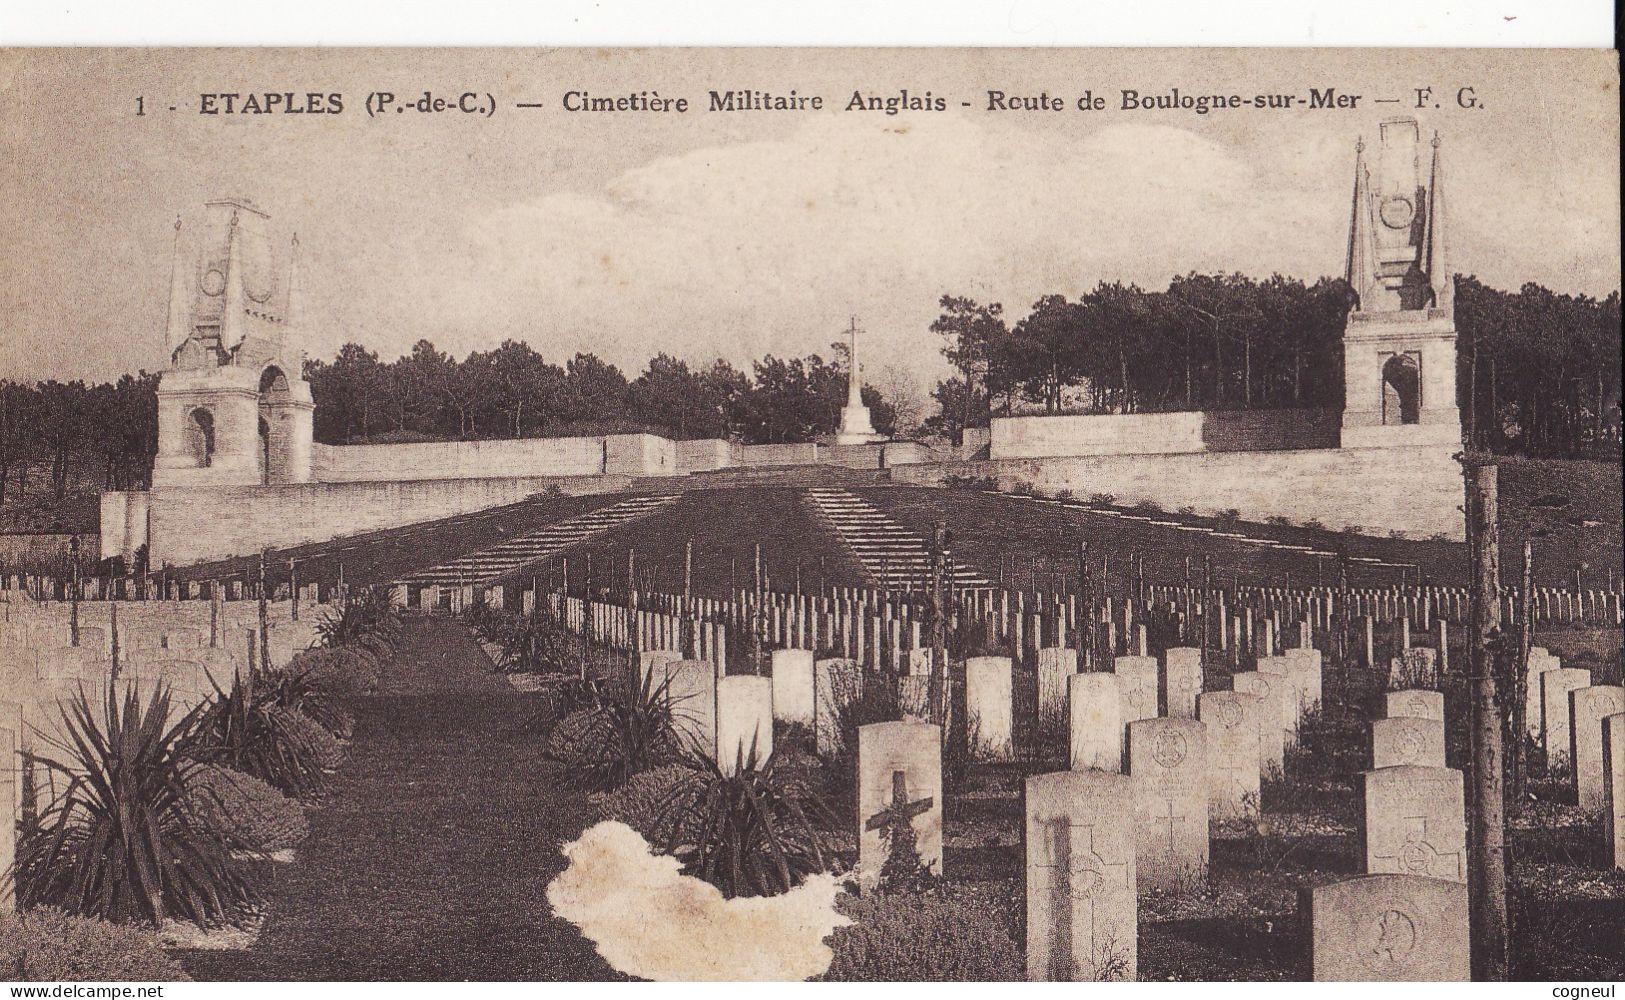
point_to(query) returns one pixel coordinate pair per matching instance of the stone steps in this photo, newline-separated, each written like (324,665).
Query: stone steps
(509,555)
(898,559)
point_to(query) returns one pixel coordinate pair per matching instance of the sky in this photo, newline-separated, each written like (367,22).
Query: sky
(738,234)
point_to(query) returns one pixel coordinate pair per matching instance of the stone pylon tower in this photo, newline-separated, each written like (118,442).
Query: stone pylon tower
(1399,349)
(233,408)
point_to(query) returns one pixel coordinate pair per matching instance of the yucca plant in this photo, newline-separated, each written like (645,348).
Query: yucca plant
(624,735)
(749,832)
(368,620)
(533,644)
(295,688)
(120,842)
(247,729)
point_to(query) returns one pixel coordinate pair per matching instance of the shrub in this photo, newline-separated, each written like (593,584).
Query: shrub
(624,735)
(1022,488)
(1102,499)
(367,620)
(317,740)
(1065,495)
(338,671)
(249,813)
(534,644)
(1278,520)
(638,802)
(1229,515)
(955,482)
(296,691)
(1187,510)
(749,832)
(942,933)
(247,730)
(47,945)
(120,843)
(1148,506)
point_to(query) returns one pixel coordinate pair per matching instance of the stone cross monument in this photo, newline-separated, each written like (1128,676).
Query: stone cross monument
(856,427)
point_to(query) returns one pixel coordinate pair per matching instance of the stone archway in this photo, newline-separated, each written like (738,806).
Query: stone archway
(273,435)
(200,437)
(1401,390)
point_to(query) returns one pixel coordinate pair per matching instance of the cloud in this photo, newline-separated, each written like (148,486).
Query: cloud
(650,921)
(768,246)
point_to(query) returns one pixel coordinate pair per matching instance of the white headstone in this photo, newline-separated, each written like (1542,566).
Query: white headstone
(793,685)
(1232,733)
(988,704)
(1055,665)
(1388,928)
(899,799)
(1082,916)
(1588,706)
(692,692)
(1168,759)
(836,683)
(1407,741)
(1414,703)
(1138,675)
(1555,686)
(744,721)
(1095,722)
(1271,691)
(1411,822)
(1613,769)
(1182,681)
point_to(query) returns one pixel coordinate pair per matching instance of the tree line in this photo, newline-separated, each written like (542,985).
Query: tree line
(1539,376)
(1539,373)
(512,391)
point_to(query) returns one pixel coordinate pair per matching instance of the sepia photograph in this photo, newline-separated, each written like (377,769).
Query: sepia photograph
(835,514)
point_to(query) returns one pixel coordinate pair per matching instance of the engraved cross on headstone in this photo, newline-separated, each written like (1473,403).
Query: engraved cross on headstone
(1077,875)
(901,811)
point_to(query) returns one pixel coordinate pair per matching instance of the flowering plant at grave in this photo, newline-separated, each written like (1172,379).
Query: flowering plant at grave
(368,620)
(120,842)
(619,736)
(749,832)
(248,812)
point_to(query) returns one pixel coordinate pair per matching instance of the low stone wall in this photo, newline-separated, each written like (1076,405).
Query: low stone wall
(1415,490)
(18,548)
(1163,433)
(777,454)
(197,525)
(504,459)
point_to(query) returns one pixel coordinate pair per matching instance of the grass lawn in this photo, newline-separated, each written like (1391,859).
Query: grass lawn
(430,852)
(725,526)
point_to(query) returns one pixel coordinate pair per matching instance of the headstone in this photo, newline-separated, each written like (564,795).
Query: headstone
(1168,761)
(793,685)
(1411,822)
(1095,722)
(182,639)
(1138,675)
(1232,733)
(1588,706)
(899,800)
(1613,770)
(1271,691)
(1304,668)
(836,683)
(1082,916)
(656,660)
(10,808)
(1555,686)
(1407,741)
(691,689)
(1414,703)
(744,721)
(988,711)
(1540,661)
(1181,681)
(1388,928)
(1055,665)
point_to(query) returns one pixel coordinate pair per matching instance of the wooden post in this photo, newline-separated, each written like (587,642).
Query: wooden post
(73,594)
(293,586)
(939,686)
(1486,826)
(632,617)
(112,627)
(1084,633)
(265,638)
(1520,677)
(756,613)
